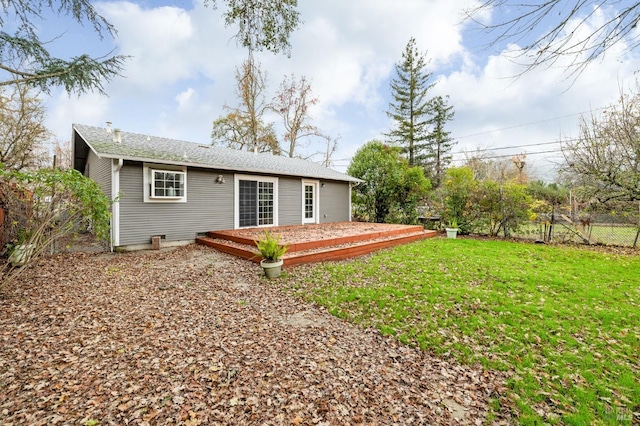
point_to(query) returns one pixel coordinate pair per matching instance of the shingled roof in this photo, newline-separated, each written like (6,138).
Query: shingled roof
(154,149)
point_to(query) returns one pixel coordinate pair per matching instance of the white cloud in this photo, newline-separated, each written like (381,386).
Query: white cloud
(185,98)
(156,39)
(182,73)
(63,110)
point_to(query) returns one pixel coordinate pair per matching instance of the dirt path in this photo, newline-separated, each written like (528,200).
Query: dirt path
(192,336)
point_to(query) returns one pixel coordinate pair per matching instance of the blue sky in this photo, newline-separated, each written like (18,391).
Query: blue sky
(181,74)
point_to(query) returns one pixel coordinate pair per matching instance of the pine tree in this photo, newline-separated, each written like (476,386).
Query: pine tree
(25,59)
(410,106)
(437,153)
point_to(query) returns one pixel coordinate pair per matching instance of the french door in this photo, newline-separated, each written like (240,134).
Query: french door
(309,202)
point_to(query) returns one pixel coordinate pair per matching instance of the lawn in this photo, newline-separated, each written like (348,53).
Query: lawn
(563,322)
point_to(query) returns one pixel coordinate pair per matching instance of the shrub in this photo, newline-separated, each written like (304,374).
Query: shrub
(46,206)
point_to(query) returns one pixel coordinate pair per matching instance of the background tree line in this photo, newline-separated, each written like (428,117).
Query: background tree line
(601,170)
(246,126)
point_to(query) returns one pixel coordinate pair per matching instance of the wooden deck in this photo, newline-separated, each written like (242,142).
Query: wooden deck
(317,243)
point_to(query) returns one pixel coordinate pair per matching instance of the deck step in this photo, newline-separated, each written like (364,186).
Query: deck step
(317,243)
(320,250)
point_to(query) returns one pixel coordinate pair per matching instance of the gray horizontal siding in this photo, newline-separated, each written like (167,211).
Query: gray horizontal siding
(209,207)
(289,201)
(100,172)
(334,202)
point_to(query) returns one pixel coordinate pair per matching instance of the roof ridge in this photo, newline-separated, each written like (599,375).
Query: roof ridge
(149,148)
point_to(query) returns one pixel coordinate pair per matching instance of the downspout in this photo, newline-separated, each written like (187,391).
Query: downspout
(115,207)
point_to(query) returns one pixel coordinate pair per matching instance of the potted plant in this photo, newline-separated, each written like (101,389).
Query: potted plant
(21,253)
(271,250)
(452,229)
(23,249)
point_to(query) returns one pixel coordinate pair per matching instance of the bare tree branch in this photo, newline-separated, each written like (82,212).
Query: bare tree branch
(548,31)
(605,159)
(291,103)
(244,127)
(22,130)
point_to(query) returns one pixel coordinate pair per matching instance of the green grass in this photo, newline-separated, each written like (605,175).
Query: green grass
(564,323)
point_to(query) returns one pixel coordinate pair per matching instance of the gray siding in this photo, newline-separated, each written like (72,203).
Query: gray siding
(100,172)
(334,202)
(209,204)
(289,201)
(209,207)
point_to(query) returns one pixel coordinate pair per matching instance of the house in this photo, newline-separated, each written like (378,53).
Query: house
(178,190)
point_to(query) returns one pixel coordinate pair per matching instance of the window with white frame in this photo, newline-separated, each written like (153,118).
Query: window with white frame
(165,184)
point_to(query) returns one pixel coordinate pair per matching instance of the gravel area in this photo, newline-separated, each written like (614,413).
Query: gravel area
(193,336)
(316,232)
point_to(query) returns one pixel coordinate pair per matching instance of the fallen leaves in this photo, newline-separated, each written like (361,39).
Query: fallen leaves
(192,336)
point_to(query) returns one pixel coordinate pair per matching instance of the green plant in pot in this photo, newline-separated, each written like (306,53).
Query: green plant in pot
(271,250)
(23,248)
(452,228)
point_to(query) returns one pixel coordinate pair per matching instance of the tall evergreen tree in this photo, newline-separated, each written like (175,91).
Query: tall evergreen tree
(410,106)
(437,153)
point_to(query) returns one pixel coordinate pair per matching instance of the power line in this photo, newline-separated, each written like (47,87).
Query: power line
(509,128)
(511,155)
(527,124)
(511,147)
(518,146)
(498,149)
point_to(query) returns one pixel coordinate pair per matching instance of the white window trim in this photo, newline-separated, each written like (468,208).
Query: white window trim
(316,201)
(236,197)
(147,180)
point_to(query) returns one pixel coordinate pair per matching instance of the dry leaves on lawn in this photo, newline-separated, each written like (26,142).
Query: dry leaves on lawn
(192,336)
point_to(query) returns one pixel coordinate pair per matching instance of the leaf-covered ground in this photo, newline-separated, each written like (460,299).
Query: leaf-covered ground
(192,336)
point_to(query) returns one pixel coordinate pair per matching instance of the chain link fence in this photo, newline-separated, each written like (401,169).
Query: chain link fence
(565,224)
